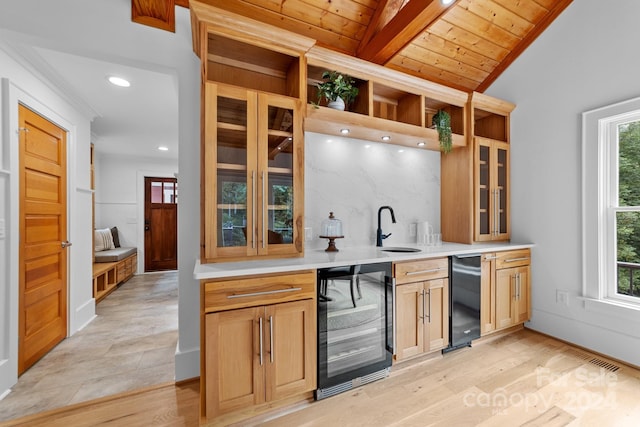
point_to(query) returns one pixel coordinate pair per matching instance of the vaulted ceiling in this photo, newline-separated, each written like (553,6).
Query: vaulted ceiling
(465,45)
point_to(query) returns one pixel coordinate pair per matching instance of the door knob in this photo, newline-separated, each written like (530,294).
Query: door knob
(65,244)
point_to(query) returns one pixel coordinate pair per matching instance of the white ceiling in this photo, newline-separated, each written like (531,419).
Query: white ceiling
(131,121)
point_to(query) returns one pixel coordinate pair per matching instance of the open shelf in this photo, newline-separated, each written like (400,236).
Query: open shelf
(490,117)
(241,64)
(359,106)
(397,105)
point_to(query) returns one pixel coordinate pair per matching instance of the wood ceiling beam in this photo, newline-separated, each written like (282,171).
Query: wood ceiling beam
(154,13)
(555,11)
(384,12)
(409,22)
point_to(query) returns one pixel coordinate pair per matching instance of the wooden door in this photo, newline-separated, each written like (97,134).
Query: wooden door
(160,224)
(505,297)
(234,369)
(290,348)
(43,237)
(492,190)
(409,318)
(437,313)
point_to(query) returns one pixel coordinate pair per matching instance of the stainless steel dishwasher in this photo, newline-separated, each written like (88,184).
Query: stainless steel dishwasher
(464,294)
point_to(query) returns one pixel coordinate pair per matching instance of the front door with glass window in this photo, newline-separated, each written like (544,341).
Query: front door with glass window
(160,224)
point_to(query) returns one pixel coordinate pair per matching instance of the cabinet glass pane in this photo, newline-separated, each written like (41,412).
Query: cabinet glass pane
(280,176)
(232,172)
(484,190)
(502,188)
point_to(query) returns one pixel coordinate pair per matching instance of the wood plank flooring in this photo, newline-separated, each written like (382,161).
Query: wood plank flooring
(521,379)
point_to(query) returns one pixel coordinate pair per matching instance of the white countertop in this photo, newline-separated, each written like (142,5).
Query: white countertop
(318,258)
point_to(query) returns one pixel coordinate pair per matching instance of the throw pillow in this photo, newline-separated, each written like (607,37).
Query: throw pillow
(116,238)
(103,240)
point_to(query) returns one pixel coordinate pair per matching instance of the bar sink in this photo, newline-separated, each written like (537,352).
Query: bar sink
(398,249)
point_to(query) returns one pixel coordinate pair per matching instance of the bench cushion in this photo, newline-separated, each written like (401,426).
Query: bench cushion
(113,255)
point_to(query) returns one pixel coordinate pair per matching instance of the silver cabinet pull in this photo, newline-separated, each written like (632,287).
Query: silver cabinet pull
(526,258)
(255,294)
(424,308)
(429,315)
(253,198)
(65,244)
(433,270)
(271,338)
(261,341)
(490,258)
(497,212)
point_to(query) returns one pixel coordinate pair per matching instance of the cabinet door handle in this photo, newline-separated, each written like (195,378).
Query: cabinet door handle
(429,315)
(271,338)
(255,294)
(261,341)
(424,309)
(497,212)
(265,206)
(526,258)
(254,201)
(490,258)
(433,270)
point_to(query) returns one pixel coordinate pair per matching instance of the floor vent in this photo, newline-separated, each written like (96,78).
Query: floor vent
(604,364)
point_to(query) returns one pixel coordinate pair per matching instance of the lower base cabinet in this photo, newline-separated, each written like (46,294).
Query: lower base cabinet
(261,353)
(422,307)
(506,290)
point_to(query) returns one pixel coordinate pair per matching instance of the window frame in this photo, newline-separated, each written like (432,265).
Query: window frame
(600,172)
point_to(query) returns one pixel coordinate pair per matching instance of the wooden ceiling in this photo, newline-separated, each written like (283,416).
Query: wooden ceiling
(465,45)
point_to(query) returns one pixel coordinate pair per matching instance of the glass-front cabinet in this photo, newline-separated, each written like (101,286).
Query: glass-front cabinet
(252,174)
(492,190)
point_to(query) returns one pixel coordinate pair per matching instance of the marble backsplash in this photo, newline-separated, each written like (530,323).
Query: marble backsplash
(352,178)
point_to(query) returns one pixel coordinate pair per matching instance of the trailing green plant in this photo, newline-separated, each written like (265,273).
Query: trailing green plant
(442,121)
(337,85)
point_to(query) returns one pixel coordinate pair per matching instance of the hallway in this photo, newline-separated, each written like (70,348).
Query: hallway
(129,345)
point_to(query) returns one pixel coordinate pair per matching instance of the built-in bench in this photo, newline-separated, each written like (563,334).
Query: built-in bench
(111,268)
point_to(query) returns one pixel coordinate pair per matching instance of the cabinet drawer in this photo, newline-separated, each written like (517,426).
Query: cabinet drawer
(513,258)
(258,290)
(416,271)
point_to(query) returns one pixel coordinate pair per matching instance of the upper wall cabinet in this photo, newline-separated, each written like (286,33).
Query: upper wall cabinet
(254,81)
(389,103)
(475,184)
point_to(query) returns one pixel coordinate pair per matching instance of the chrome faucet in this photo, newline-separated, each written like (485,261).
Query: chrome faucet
(379,236)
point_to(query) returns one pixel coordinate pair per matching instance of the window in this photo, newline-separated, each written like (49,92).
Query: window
(611,203)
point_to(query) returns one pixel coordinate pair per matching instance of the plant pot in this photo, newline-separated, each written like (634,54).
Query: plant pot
(338,104)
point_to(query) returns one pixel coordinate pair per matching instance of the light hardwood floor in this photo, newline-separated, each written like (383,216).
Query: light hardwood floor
(129,345)
(521,379)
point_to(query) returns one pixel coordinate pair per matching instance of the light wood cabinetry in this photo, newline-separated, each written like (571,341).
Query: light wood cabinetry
(259,342)
(254,83)
(506,290)
(389,103)
(475,180)
(108,275)
(252,174)
(422,307)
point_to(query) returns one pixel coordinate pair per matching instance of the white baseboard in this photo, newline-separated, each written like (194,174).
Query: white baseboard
(187,364)
(83,315)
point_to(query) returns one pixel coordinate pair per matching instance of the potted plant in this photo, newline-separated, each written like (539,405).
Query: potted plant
(442,121)
(338,89)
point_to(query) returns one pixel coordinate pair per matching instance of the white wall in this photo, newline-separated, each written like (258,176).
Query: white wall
(585,59)
(102,29)
(407,179)
(22,85)
(120,195)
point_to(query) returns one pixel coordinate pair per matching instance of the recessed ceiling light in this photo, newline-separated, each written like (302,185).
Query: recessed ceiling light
(344,131)
(401,151)
(446,2)
(421,144)
(163,148)
(119,81)
(386,138)
(367,146)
